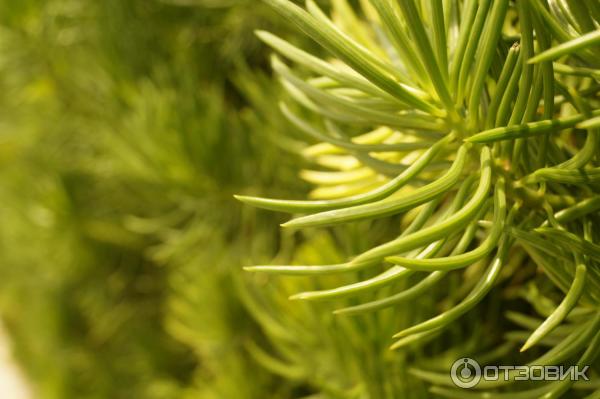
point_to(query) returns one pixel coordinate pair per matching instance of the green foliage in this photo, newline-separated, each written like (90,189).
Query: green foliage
(475,125)
(453,150)
(121,147)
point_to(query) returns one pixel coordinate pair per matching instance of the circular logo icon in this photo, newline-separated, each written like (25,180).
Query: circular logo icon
(465,373)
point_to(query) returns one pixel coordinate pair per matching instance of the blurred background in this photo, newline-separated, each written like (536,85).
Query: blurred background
(125,128)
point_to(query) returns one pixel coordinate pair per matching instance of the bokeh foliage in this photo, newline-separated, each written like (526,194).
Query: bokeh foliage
(126,128)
